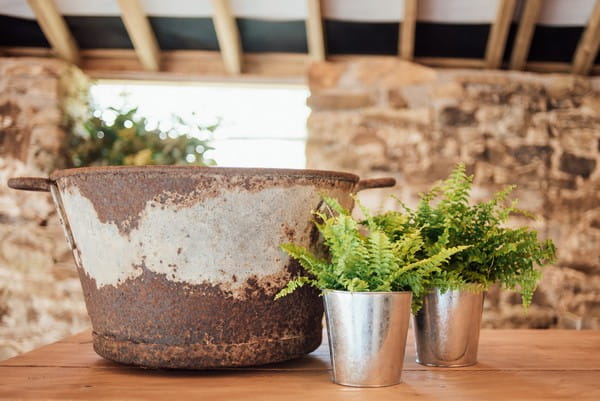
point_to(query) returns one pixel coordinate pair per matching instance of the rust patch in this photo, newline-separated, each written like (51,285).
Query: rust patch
(202,356)
(151,321)
(290,233)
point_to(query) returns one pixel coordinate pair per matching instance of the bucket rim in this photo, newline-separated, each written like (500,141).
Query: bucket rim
(207,170)
(361,293)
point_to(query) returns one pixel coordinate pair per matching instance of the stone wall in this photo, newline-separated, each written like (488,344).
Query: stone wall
(40,295)
(380,116)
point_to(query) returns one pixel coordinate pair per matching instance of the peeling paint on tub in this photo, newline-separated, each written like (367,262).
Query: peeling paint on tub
(207,241)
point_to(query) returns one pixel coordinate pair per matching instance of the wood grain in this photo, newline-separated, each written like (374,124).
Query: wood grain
(141,34)
(227,35)
(498,33)
(588,45)
(513,365)
(407,30)
(531,11)
(498,350)
(135,384)
(315,37)
(55,29)
(202,65)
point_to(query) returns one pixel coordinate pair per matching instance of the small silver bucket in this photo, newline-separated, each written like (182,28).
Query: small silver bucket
(447,328)
(367,336)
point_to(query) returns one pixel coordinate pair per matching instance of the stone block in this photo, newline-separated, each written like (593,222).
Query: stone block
(396,99)
(591,102)
(40,87)
(386,72)
(47,116)
(576,165)
(533,201)
(49,138)
(561,86)
(447,90)
(340,100)
(12,67)
(324,75)
(333,125)
(14,142)
(457,117)
(582,142)
(381,116)
(527,154)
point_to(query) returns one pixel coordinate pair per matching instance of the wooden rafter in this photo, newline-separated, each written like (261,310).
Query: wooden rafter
(228,36)
(498,34)
(407,30)
(587,49)
(141,34)
(55,29)
(314,31)
(530,15)
(185,65)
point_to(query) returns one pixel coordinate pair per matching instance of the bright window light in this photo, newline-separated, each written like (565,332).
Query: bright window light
(261,125)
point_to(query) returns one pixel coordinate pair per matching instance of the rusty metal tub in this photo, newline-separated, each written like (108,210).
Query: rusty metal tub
(179,265)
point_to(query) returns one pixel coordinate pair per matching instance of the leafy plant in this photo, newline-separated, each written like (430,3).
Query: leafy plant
(127,139)
(496,253)
(370,261)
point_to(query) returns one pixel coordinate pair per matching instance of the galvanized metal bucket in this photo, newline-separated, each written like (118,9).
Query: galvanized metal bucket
(179,265)
(447,328)
(367,336)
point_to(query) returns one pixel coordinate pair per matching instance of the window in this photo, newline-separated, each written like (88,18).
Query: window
(261,125)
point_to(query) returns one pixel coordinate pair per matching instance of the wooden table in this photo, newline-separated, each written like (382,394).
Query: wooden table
(514,365)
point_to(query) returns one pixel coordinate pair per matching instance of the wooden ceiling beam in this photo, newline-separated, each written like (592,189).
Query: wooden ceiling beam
(315,38)
(407,30)
(141,34)
(498,33)
(587,49)
(55,29)
(228,36)
(530,15)
(186,65)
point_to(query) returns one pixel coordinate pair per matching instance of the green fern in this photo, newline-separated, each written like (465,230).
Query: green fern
(496,254)
(380,259)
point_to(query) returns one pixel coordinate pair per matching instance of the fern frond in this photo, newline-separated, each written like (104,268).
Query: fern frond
(335,205)
(367,213)
(407,247)
(294,284)
(307,259)
(380,256)
(428,265)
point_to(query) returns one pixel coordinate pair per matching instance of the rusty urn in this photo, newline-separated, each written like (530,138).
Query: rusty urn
(179,265)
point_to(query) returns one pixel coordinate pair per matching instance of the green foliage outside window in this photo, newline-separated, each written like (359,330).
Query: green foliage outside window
(125,138)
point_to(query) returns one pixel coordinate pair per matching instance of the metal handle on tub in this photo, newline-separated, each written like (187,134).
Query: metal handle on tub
(30,183)
(375,183)
(45,185)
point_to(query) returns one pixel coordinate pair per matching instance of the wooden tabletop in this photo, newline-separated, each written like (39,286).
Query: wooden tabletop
(514,365)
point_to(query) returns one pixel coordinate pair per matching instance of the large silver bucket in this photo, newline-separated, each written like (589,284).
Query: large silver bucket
(367,336)
(447,328)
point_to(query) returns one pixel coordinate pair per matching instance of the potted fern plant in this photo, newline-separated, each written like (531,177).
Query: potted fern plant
(447,326)
(367,279)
